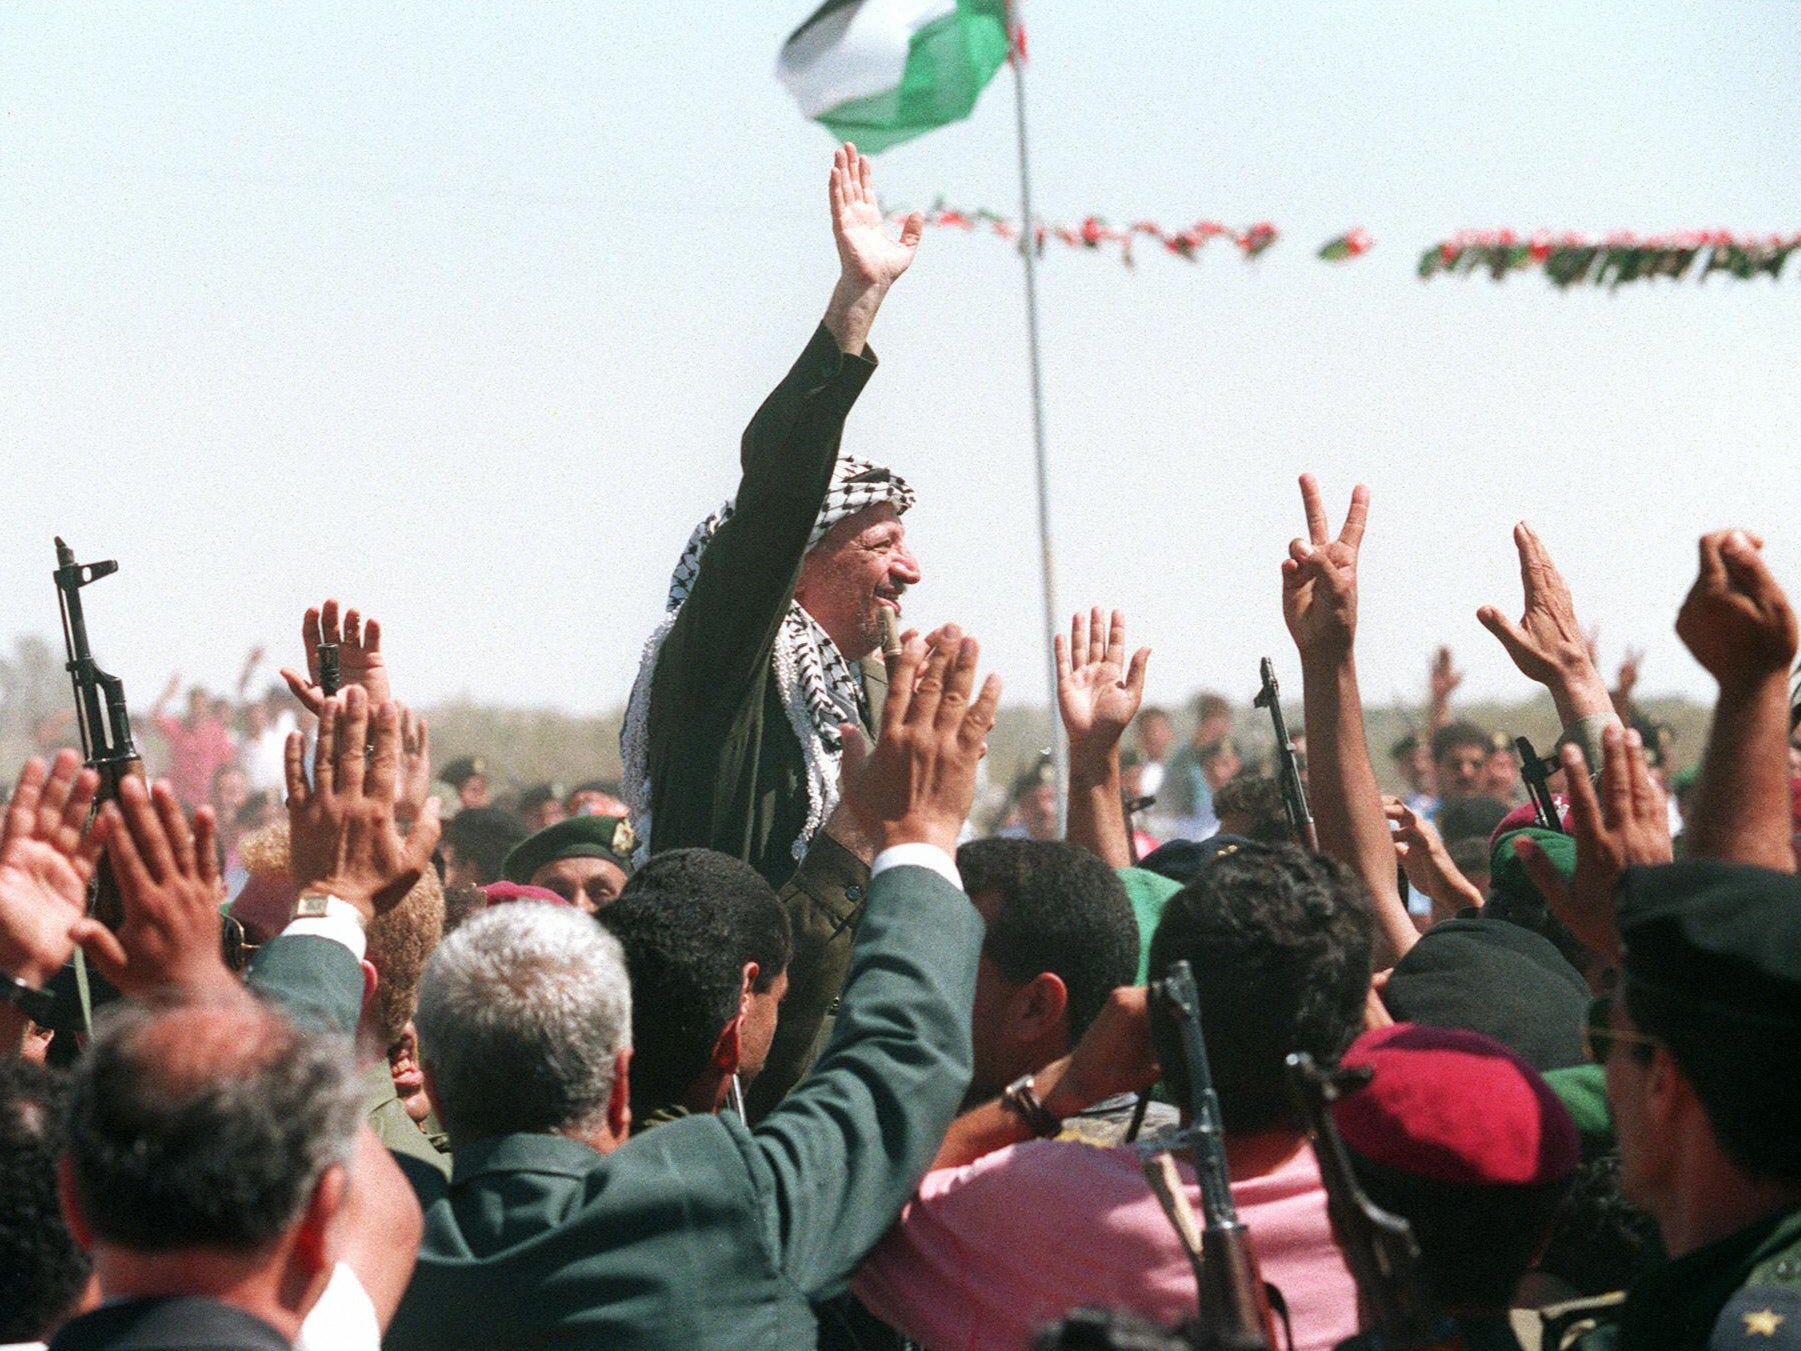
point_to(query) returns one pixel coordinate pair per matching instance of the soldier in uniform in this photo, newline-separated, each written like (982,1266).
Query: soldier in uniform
(1702,1048)
(585,859)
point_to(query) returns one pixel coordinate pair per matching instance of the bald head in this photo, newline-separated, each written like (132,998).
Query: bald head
(205,1125)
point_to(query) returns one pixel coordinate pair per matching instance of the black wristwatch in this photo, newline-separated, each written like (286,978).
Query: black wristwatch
(37,1005)
(1021,1098)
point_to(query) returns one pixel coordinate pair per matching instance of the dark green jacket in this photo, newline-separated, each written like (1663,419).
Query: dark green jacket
(704,1233)
(1720,1296)
(726,771)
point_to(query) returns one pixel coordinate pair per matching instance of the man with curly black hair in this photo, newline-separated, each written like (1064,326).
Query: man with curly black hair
(1002,1237)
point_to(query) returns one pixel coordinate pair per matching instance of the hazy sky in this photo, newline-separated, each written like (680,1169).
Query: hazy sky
(456,311)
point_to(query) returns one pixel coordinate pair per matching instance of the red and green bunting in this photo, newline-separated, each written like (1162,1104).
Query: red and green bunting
(1578,260)
(1094,233)
(1565,259)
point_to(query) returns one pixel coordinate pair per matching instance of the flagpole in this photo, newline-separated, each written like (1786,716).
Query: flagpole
(1028,250)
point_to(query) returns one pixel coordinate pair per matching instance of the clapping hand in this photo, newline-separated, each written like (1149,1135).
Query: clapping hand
(358,640)
(170,892)
(1736,620)
(344,838)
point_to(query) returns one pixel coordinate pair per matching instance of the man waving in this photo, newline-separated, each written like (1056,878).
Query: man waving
(731,737)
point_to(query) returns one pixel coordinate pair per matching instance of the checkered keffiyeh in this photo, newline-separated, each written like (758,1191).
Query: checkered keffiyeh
(819,689)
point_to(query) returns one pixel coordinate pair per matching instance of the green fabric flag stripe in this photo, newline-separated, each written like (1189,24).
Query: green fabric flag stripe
(949,61)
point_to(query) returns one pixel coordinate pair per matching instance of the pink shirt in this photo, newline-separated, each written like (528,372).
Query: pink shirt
(195,755)
(984,1256)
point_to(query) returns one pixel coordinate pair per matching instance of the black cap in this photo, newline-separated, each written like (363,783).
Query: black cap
(1182,860)
(1496,978)
(1724,936)
(461,770)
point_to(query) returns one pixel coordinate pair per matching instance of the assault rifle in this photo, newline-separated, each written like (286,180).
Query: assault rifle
(1537,770)
(1378,1246)
(1234,1302)
(1288,764)
(100,711)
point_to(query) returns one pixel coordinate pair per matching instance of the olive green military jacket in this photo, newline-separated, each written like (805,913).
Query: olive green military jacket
(1742,1293)
(726,771)
(702,1232)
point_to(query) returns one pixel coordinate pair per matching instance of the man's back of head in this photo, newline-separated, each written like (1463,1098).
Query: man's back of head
(1050,908)
(207,1157)
(707,944)
(524,1015)
(42,1272)
(1279,940)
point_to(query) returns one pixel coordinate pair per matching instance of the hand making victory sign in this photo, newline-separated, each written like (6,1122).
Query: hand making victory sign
(1319,576)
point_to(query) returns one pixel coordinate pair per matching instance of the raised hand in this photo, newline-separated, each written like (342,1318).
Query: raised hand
(45,863)
(344,839)
(1627,680)
(412,784)
(1548,644)
(1319,577)
(1426,861)
(868,260)
(1736,620)
(169,889)
(1442,679)
(1627,824)
(359,655)
(865,252)
(918,781)
(1098,691)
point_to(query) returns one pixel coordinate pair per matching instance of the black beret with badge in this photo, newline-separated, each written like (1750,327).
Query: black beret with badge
(604,837)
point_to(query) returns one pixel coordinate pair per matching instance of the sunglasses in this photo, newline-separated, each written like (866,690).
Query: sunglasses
(1599,1035)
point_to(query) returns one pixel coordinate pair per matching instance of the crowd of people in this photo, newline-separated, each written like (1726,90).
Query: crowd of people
(767,1045)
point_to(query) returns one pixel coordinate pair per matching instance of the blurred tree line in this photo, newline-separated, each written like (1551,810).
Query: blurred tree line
(527,746)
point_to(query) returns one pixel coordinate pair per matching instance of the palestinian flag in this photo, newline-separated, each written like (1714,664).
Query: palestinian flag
(879,72)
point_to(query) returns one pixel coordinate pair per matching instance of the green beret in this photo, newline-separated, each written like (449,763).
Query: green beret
(1722,939)
(1507,873)
(607,837)
(1583,1089)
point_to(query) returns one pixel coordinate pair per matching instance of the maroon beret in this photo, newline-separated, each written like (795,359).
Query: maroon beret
(1457,1107)
(499,893)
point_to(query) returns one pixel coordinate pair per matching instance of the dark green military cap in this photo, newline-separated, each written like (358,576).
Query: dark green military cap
(607,837)
(1723,936)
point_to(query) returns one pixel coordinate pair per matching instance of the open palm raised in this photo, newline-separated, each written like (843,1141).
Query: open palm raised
(865,252)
